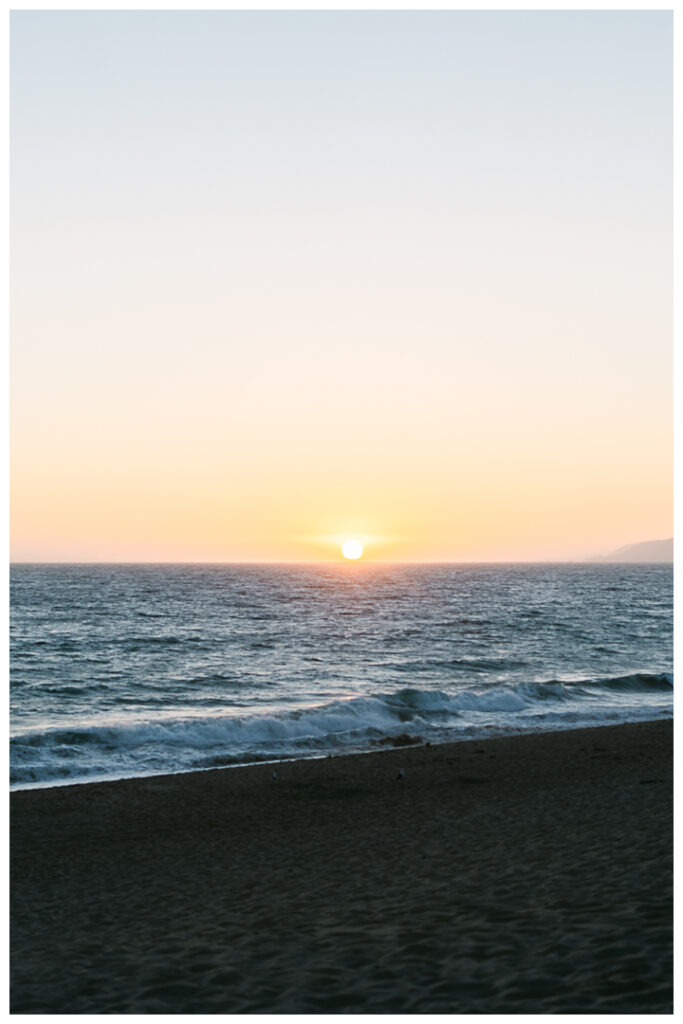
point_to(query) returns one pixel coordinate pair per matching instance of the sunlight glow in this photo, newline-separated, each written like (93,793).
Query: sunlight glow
(352,549)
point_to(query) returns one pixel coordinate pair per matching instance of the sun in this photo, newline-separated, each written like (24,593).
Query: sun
(352,549)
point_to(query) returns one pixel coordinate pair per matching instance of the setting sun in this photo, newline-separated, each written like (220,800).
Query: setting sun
(352,549)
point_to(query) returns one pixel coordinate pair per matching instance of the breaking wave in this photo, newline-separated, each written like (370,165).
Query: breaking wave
(131,747)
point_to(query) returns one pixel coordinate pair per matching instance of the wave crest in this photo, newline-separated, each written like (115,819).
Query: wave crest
(159,745)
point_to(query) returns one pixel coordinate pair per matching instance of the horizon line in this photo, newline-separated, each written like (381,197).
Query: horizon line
(595,560)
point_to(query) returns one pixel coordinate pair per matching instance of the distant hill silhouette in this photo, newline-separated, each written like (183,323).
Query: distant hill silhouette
(646,551)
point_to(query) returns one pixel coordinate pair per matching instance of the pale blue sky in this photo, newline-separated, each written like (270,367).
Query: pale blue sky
(221,210)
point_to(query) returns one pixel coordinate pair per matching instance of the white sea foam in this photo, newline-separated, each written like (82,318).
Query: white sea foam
(148,745)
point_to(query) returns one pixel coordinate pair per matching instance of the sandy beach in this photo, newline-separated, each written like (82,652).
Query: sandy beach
(528,874)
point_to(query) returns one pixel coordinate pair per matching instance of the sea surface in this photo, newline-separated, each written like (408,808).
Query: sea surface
(129,670)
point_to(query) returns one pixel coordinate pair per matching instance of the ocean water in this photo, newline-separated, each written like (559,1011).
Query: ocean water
(127,670)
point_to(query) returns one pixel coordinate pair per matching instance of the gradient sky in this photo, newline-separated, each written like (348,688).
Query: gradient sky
(282,278)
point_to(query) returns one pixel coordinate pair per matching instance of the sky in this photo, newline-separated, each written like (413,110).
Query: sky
(283,278)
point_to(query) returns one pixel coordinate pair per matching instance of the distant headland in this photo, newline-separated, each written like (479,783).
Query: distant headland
(645,551)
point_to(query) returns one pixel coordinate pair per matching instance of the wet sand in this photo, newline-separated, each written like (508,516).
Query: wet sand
(527,874)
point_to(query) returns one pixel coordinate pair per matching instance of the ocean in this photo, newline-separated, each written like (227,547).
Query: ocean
(130,670)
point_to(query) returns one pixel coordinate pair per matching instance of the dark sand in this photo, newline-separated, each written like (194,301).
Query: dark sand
(528,874)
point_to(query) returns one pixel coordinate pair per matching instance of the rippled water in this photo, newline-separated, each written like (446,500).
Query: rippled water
(126,670)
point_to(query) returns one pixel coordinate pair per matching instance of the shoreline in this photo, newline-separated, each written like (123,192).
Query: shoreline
(525,873)
(383,745)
